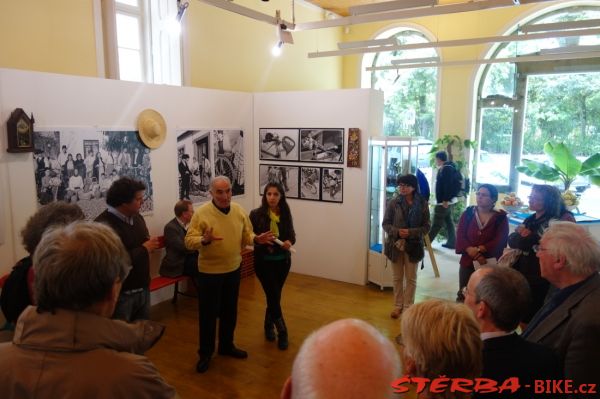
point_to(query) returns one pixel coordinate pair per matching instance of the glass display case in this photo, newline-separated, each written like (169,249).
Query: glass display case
(388,157)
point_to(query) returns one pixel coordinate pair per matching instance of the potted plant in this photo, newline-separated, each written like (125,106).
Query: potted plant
(565,166)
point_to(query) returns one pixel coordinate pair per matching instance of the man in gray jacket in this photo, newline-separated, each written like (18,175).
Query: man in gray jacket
(178,259)
(68,346)
(569,321)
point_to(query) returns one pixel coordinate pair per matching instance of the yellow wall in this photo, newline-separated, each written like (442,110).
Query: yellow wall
(226,51)
(457,82)
(48,35)
(233,52)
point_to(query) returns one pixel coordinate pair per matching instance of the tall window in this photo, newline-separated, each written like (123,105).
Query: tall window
(410,94)
(142,40)
(523,105)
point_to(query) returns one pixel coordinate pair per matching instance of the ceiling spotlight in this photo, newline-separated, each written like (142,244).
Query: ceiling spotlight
(181,9)
(276,50)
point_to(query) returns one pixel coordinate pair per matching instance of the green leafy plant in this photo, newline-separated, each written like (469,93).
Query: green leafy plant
(566,167)
(455,147)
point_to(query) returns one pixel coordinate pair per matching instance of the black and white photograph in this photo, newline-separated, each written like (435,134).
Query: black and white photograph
(279,144)
(322,145)
(228,156)
(310,180)
(194,165)
(79,166)
(286,176)
(332,184)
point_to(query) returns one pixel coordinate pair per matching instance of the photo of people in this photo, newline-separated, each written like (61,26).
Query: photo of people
(332,185)
(278,144)
(286,176)
(322,145)
(194,165)
(79,165)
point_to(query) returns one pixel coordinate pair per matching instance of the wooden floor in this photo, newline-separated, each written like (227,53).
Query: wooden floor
(308,303)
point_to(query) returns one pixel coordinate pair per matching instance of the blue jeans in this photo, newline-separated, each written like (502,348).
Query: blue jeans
(133,306)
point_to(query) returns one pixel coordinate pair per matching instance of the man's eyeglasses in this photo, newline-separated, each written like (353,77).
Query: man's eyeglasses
(538,248)
(402,185)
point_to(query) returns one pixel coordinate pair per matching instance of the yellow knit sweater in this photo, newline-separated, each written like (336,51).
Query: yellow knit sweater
(235,229)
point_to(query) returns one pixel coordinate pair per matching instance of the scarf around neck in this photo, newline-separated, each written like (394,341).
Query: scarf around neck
(274,221)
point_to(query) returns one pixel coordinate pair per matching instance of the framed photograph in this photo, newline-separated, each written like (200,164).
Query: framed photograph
(332,184)
(286,176)
(228,155)
(194,165)
(322,145)
(310,181)
(278,144)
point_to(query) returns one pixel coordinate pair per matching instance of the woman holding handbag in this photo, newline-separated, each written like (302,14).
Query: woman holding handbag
(406,221)
(272,262)
(547,204)
(481,234)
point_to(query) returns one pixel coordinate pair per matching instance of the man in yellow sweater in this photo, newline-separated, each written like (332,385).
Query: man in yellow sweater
(219,230)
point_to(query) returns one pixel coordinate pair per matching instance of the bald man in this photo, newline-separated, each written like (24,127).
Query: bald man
(346,359)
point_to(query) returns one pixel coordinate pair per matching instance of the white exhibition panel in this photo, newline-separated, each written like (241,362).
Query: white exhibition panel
(59,101)
(331,237)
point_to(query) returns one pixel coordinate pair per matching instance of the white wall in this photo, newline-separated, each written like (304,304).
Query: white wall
(69,101)
(331,237)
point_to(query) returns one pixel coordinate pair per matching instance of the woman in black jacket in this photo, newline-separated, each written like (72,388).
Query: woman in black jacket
(272,262)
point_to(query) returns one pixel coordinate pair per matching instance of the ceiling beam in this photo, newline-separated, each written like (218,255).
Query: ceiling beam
(476,5)
(458,42)
(246,12)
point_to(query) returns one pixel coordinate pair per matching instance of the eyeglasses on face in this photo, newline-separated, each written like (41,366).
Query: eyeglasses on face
(402,185)
(538,248)
(480,194)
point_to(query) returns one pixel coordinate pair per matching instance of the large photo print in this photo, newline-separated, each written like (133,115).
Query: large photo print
(79,166)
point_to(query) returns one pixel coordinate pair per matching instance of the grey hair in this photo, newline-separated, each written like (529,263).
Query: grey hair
(217,179)
(506,292)
(347,358)
(580,249)
(76,266)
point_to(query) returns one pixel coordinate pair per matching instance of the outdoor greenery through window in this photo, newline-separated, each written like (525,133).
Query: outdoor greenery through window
(540,103)
(410,94)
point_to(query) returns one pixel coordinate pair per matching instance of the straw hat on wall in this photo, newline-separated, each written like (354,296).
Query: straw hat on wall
(152,128)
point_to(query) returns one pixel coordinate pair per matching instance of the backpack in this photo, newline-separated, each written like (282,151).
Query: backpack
(460,184)
(15,292)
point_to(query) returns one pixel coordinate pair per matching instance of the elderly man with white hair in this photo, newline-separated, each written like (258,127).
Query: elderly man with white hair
(68,346)
(347,359)
(569,322)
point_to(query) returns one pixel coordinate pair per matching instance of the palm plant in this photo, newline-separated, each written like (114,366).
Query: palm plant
(566,167)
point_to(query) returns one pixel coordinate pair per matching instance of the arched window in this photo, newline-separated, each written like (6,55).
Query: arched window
(523,105)
(410,93)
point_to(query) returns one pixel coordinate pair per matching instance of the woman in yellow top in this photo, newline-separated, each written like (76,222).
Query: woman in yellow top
(272,262)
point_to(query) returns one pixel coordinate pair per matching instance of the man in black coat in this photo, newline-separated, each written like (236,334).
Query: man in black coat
(178,259)
(445,196)
(498,296)
(185,174)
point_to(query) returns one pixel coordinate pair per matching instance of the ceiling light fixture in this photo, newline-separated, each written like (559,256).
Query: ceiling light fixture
(588,23)
(524,58)
(283,36)
(181,9)
(456,43)
(389,6)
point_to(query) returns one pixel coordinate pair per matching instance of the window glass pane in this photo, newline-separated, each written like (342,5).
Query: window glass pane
(410,94)
(500,80)
(133,3)
(130,65)
(128,32)
(494,156)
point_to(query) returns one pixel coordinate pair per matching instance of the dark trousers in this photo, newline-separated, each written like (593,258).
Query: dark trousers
(443,216)
(217,298)
(272,275)
(184,192)
(464,274)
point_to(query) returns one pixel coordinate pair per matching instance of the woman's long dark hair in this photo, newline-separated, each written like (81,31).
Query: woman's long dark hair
(284,208)
(554,205)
